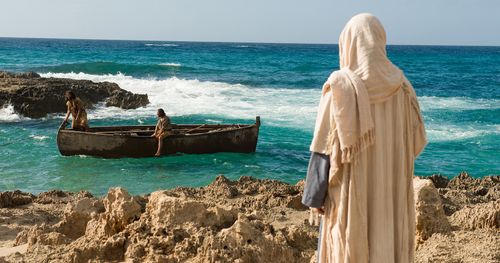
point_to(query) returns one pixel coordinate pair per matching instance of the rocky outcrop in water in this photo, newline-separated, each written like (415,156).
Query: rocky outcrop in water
(248,220)
(35,97)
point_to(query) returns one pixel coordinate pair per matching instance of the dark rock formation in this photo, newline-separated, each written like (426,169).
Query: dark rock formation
(35,97)
(15,198)
(438,180)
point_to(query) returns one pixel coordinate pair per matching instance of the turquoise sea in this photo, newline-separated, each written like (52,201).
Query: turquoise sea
(458,89)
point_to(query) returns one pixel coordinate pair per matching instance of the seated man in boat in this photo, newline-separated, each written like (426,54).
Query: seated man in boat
(77,111)
(162,130)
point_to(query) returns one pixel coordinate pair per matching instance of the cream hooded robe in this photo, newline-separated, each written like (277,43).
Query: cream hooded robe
(370,125)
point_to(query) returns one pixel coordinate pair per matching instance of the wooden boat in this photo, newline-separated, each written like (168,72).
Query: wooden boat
(135,141)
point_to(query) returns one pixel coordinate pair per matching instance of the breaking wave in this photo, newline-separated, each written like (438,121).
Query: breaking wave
(160,45)
(171,64)
(277,107)
(290,107)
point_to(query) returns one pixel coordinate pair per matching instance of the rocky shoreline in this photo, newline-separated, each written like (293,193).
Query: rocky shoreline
(248,220)
(34,97)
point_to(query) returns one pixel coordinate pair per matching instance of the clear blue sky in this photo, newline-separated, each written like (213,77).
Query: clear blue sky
(454,22)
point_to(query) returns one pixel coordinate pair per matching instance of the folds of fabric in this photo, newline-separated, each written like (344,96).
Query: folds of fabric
(344,113)
(369,123)
(369,206)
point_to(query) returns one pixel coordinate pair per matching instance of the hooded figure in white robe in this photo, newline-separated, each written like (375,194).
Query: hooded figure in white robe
(370,128)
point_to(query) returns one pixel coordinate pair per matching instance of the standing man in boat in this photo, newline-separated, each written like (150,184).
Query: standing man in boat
(162,130)
(77,111)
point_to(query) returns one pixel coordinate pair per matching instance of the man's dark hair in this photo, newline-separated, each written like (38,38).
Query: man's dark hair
(161,113)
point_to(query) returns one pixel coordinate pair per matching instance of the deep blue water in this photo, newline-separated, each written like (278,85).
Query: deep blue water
(458,89)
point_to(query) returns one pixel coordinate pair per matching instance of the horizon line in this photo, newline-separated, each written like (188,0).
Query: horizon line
(235,42)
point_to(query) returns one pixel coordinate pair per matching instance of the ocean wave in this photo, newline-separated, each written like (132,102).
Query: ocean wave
(7,114)
(39,137)
(161,45)
(277,106)
(108,67)
(428,103)
(180,97)
(170,64)
(452,132)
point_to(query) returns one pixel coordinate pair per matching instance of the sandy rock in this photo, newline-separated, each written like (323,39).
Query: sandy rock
(53,197)
(464,190)
(72,226)
(121,209)
(258,224)
(486,215)
(494,190)
(60,197)
(77,214)
(430,217)
(165,210)
(42,235)
(15,198)
(461,246)
(295,202)
(121,206)
(454,200)
(246,241)
(222,187)
(463,181)
(83,250)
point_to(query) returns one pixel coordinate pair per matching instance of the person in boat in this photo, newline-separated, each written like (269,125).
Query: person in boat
(368,132)
(162,130)
(76,109)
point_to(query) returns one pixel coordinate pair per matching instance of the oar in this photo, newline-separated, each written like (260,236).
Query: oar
(63,126)
(195,128)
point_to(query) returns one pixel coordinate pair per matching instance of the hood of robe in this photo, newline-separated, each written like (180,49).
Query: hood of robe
(362,49)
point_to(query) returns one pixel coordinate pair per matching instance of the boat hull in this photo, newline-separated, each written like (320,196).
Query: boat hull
(70,142)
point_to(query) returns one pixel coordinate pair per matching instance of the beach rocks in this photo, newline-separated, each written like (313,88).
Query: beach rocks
(35,97)
(247,220)
(473,210)
(485,215)
(77,214)
(222,187)
(15,198)
(464,190)
(120,210)
(60,197)
(247,241)
(429,214)
(438,180)
(216,223)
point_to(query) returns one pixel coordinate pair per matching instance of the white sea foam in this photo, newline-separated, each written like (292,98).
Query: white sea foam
(428,103)
(284,107)
(160,45)
(213,121)
(7,114)
(170,64)
(450,132)
(293,107)
(39,137)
